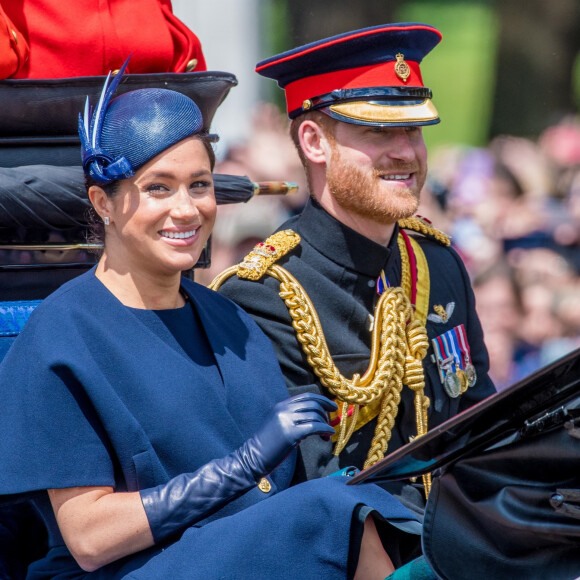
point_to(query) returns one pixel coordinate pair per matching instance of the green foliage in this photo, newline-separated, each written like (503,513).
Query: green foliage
(276,39)
(460,70)
(278,20)
(576,81)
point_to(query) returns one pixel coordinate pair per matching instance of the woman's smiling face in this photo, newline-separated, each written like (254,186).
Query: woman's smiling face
(162,217)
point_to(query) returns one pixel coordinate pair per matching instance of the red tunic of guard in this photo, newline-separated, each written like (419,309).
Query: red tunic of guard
(71,38)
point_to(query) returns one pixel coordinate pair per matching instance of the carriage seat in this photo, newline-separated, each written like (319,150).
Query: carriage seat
(23,537)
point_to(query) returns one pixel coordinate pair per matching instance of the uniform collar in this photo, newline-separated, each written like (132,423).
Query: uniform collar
(343,245)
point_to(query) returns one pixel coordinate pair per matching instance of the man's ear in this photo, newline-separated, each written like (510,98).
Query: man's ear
(100,201)
(314,142)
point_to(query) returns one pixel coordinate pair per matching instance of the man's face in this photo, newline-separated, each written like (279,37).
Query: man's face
(377,172)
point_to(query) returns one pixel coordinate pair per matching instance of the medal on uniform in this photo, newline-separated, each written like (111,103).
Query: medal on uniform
(471,374)
(463,380)
(463,345)
(452,384)
(453,359)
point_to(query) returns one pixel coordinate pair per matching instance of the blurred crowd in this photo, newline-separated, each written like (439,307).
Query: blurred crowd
(511,208)
(513,211)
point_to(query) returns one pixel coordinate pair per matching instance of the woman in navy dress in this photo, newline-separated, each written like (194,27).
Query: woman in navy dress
(146,416)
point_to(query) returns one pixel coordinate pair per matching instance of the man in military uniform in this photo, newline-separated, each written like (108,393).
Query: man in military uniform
(363,302)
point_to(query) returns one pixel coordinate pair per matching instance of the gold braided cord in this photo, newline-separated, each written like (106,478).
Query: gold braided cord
(399,343)
(221,278)
(405,266)
(359,390)
(346,428)
(421,226)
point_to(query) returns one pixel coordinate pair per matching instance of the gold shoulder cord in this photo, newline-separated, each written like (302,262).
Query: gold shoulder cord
(398,345)
(422,226)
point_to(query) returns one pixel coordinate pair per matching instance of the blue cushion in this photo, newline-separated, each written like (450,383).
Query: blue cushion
(13,316)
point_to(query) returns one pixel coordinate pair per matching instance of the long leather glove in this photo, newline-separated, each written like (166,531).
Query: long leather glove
(191,497)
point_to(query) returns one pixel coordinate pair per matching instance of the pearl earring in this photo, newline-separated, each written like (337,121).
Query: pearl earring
(107,220)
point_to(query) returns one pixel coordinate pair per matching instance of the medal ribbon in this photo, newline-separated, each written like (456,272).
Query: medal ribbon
(443,353)
(440,357)
(452,345)
(450,339)
(464,345)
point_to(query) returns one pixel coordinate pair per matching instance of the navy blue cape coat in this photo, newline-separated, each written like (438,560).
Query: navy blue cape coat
(92,397)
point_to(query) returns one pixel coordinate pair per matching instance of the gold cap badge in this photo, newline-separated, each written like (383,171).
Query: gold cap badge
(402,69)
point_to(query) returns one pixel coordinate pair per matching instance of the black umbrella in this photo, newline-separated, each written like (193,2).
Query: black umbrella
(239,189)
(52,197)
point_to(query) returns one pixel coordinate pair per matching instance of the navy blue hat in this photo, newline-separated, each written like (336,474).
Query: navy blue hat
(130,130)
(367,77)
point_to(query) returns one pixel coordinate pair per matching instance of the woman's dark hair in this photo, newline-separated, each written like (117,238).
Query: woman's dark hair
(96,228)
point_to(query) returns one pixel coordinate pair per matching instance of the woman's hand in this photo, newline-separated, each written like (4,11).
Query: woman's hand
(291,421)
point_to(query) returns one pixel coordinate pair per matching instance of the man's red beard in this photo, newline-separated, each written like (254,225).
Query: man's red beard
(363,193)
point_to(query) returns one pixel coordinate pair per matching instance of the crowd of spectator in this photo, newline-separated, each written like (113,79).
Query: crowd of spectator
(512,209)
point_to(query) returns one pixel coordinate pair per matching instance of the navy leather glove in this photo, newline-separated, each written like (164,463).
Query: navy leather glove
(191,497)
(290,422)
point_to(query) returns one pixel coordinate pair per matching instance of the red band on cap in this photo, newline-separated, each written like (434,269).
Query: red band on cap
(377,75)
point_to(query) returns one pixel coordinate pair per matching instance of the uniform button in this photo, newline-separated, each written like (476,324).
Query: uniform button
(264,485)
(14,36)
(371,283)
(115,72)
(191,65)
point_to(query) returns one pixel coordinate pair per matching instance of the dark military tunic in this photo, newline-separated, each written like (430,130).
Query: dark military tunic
(339,268)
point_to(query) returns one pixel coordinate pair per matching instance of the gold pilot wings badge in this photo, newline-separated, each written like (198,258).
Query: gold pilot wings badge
(442,315)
